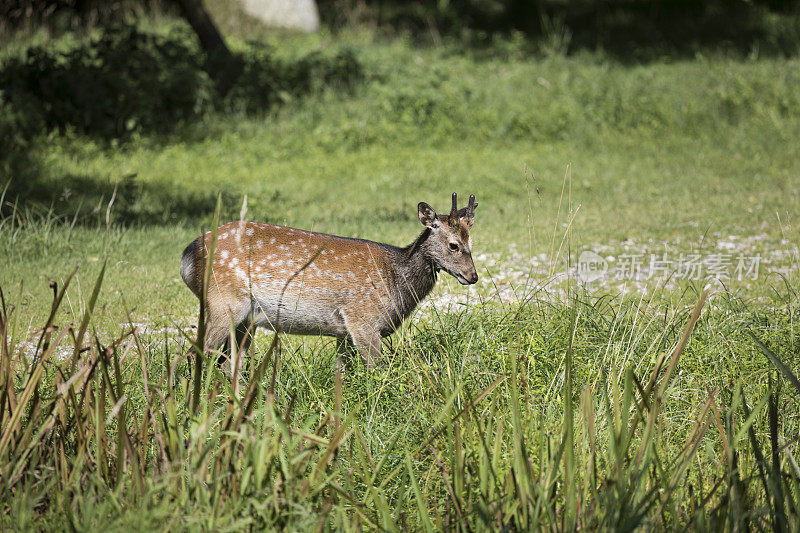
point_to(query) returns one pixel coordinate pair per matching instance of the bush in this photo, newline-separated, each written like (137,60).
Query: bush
(119,83)
(266,80)
(128,81)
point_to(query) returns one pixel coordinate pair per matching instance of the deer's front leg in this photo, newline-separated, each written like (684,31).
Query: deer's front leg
(369,346)
(367,340)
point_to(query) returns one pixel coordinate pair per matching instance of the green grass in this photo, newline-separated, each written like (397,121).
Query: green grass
(493,414)
(538,415)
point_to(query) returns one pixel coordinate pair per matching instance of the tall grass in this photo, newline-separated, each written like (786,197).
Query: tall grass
(542,415)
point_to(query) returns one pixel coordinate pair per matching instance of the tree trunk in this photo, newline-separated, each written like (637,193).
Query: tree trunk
(221,65)
(210,38)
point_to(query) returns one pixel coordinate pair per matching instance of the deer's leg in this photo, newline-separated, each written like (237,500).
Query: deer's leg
(345,350)
(368,343)
(363,335)
(243,337)
(218,330)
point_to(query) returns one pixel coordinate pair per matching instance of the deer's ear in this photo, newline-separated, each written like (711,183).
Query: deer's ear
(427,215)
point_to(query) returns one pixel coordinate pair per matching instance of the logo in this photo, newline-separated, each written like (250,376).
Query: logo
(591,266)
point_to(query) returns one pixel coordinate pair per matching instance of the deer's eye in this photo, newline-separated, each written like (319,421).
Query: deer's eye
(453,246)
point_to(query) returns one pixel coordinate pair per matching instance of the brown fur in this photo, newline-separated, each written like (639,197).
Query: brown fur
(305,282)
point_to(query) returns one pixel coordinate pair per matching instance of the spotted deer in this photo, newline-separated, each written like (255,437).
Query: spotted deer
(309,283)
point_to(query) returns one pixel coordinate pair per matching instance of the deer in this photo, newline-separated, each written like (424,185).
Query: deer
(308,283)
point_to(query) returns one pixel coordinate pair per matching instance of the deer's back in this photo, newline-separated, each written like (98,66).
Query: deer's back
(299,281)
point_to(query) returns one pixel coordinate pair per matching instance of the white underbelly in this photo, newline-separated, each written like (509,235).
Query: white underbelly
(300,312)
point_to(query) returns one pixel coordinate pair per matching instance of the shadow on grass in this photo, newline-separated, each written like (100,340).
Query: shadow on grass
(87,200)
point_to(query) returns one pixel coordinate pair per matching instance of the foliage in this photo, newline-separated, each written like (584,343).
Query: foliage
(120,82)
(628,30)
(127,80)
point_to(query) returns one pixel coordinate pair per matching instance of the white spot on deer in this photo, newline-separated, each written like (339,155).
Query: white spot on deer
(224,254)
(235,261)
(350,274)
(250,232)
(259,243)
(272,240)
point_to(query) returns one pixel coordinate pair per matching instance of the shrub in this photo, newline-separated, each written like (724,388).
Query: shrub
(128,81)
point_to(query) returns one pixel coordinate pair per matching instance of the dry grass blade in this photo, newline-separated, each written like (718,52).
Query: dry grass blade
(676,353)
(87,315)
(33,381)
(687,333)
(201,321)
(251,394)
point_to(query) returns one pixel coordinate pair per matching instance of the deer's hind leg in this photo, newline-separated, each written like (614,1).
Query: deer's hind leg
(243,338)
(219,320)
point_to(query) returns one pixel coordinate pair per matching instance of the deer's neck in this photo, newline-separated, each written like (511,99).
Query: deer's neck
(415,274)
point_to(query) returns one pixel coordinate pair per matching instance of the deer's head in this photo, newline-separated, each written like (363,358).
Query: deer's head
(449,246)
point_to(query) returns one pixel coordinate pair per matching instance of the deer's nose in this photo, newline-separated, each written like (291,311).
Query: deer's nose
(474,278)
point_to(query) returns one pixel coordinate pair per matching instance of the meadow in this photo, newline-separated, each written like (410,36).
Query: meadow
(530,401)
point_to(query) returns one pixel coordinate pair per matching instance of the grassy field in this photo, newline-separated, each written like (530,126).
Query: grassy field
(609,405)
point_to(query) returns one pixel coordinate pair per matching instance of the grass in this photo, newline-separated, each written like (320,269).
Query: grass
(584,413)
(570,407)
